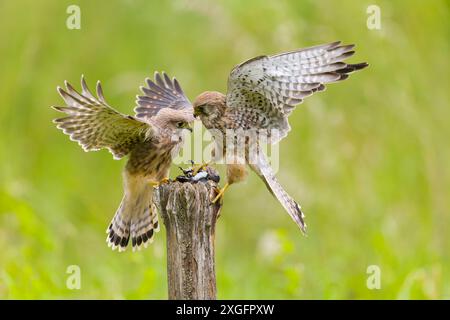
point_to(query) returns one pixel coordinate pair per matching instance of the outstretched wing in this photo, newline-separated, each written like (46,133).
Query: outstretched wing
(95,125)
(270,87)
(161,93)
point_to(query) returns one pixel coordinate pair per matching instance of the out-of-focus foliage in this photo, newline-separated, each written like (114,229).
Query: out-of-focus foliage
(368,159)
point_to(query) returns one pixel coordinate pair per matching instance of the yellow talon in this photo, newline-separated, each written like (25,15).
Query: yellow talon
(221,192)
(156,184)
(164,180)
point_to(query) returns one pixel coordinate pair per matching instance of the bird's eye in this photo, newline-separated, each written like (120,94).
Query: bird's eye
(180,124)
(202,108)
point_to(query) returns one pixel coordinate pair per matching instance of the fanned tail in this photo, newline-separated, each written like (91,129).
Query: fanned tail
(136,218)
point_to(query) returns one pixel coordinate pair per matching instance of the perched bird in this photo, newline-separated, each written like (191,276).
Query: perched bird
(151,138)
(262,93)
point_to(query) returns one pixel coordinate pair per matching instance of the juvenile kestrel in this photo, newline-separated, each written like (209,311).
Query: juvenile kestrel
(151,139)
(262,93)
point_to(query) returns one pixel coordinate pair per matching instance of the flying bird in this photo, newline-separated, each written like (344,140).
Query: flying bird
(151,139)
(262,93)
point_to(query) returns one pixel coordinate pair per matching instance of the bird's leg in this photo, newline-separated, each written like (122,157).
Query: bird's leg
(221,192)
(156,184)
(199,167)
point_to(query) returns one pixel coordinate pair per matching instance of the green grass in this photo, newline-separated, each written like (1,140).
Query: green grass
(368,159)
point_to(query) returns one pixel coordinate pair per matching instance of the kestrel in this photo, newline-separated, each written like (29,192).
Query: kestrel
(151,138)
(262,93)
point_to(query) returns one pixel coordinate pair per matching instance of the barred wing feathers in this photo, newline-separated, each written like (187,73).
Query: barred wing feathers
(274,85)
(161,93)
(95,125)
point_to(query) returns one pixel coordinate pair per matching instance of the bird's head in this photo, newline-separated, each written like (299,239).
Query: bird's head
(176,121)
(209,106)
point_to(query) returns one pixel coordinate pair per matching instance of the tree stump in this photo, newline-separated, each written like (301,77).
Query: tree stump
(190,221)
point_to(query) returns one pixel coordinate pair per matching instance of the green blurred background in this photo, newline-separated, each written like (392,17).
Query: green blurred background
(368,159)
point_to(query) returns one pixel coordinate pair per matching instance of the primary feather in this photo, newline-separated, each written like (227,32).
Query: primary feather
(95,125)
(161,93)
(274,85)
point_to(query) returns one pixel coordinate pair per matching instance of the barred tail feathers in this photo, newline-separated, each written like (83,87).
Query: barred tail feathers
(136,218)
(143,227)
(263,169)
(119,229)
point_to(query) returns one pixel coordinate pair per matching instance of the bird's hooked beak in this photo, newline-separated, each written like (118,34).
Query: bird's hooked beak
(188,127)
(184,125)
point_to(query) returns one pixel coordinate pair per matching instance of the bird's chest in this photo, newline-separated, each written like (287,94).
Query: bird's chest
(233,145)
(245,119)
(151,158)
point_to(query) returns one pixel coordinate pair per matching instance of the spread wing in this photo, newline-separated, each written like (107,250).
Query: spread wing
(95,125)
(161,93)
(269,87)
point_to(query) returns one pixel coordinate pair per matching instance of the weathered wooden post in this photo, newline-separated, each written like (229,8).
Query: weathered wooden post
(190,221)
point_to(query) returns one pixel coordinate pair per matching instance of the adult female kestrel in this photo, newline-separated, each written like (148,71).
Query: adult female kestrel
(151,139)
(262,93)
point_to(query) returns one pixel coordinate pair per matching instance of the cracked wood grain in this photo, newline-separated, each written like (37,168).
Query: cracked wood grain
(190,221)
